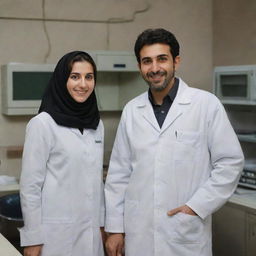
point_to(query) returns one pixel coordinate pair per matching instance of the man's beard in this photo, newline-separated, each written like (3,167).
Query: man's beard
(162,86)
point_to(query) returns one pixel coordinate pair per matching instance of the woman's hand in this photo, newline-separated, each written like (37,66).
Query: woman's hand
(103,235)
(34,250)
(115,244)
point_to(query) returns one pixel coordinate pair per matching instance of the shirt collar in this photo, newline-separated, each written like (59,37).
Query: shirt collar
(171,94)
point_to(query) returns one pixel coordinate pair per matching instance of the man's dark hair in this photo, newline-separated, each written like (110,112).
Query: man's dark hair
(154,36)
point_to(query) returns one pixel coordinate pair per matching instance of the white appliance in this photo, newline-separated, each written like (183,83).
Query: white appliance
(235,84)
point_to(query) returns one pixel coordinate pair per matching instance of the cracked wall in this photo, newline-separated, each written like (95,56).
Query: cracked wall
(41,31)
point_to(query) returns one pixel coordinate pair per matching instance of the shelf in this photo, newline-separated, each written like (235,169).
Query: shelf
(247,138)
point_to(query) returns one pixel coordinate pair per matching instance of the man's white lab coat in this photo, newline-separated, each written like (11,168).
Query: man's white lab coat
(194,159)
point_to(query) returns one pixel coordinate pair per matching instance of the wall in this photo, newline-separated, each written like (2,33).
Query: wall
(234,41)
(234,32)
(41,31)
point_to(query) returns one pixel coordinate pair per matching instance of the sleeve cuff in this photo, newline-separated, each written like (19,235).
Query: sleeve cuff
(28,238)
(199,208)
(114,225)
(102,218)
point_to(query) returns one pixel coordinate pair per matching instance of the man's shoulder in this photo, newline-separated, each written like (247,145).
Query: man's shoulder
(137,101)
(197,91)
(201,95)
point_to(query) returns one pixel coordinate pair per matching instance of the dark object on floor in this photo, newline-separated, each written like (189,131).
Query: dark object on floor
(10,217)
(10,207)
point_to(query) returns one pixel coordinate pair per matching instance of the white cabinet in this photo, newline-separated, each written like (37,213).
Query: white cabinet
(115,89)
(236,84)
(118,81)
(118,61)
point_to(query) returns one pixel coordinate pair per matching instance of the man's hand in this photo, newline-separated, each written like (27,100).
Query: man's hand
(115,244)
(34,250)
(184,209)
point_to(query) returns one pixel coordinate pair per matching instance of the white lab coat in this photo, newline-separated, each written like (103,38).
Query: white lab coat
(194,159)
(61,188)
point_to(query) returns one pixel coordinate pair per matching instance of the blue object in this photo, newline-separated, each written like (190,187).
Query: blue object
(10,207)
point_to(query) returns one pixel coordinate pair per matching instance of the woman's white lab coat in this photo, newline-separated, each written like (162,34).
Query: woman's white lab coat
(61,188)
(194,159)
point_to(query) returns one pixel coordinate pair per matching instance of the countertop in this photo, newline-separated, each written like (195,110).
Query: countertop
(6,248)
(244,197)
(9,189)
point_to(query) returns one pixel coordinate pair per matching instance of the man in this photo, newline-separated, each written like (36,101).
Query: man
(175,160)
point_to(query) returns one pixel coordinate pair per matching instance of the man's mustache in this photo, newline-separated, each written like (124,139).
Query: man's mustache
(152,74)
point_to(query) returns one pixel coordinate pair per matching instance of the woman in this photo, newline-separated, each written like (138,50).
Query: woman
(61,185)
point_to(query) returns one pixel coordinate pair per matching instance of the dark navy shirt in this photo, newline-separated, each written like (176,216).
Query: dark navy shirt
(162,110)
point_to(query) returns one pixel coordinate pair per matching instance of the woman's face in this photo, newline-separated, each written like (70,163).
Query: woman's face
(81,81)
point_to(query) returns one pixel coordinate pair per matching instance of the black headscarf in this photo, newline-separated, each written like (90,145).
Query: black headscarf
(58,103)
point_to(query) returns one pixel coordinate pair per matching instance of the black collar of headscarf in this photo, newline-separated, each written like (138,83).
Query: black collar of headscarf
(59,104)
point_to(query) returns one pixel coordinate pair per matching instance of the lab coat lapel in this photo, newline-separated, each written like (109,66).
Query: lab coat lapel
(182,100)
(174,112)
(147,112)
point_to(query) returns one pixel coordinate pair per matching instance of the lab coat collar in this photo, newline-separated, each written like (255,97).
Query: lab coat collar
(78,133)
(183,98)
(183,95)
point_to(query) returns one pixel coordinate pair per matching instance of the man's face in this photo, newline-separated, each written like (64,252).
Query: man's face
(157,66)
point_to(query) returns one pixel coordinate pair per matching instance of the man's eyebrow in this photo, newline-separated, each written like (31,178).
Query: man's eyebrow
(145,58)
(162,55)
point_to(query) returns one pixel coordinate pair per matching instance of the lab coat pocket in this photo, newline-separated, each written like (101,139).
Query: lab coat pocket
(131,216)
(58,208)
(58,239)
(188,229)
(186,147)
(190,138)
